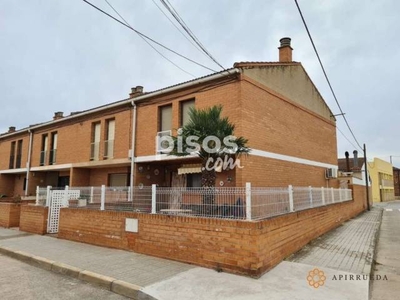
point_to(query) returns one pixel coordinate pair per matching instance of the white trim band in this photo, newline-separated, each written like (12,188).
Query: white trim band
(162,157)
(261,153)
(293,159)
(13,171)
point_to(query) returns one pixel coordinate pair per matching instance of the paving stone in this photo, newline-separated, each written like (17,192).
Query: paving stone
(349,247)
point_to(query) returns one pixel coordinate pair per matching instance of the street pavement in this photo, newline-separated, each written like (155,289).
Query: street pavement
(344,252)
(387,260)
(19,280)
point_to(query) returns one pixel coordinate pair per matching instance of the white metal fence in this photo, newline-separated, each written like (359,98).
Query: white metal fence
(247,203)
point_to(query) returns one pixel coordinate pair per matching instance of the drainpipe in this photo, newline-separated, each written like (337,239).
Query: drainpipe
(133,148)
(28,164)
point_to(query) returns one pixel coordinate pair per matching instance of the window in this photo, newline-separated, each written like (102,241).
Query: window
(109,139)
(95,145)
(118,180)
(19,155)
(185,107)
(43,152)
(53,151)
(193,180)
(12,155)
(165,126)
(165,118)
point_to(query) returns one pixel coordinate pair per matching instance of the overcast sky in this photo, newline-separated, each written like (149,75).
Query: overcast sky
(65,56)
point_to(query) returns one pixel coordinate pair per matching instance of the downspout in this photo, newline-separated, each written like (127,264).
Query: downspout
(133,149)
(28,164)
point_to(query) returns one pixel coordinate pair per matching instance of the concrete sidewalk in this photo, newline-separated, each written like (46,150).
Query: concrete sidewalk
(348,250)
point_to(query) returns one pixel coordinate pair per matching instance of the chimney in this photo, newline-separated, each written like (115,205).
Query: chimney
(11,129)
(136,91)
(285,50)
(347,161)
(355,159)
(58,115)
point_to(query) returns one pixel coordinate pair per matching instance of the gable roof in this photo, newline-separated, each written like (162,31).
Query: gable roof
(128,101)
(254,64)
(289,79)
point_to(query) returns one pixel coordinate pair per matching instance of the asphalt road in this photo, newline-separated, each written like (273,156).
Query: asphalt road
(19,280)
(387,261)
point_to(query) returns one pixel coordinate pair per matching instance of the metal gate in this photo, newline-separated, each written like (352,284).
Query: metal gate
(56,200)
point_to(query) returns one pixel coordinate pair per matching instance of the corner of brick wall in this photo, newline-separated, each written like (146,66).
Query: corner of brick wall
(33,219)
(9,214)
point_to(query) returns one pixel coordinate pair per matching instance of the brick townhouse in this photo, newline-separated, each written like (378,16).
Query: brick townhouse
(275,105)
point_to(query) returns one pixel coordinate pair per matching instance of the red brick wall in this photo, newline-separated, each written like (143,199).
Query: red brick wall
(5,149)
(262,172)
(33,219)
(235,246)
(7,185)
(19,185)
(79,177)
(276,124)
(9,214)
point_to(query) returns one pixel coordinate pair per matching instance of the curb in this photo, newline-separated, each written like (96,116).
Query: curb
(376,240)
(368,268)
(114,285)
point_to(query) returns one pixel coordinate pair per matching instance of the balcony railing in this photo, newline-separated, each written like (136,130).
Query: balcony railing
(43,155)
(162,144)
(109,149)
(18,161)
(11,164)
(53,156)
(94,151)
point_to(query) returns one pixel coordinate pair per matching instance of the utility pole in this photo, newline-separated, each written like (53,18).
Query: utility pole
(366,175)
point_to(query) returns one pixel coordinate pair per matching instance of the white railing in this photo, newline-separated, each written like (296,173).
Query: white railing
(41,196)
(109,149)
(216,202)
(162,146)
(245,203)
(94,151)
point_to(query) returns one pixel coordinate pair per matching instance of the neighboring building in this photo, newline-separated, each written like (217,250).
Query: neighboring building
(351,170)
(381,173)
(275,105)
(396,181)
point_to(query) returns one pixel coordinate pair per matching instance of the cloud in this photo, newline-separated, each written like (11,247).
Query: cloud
(65,56)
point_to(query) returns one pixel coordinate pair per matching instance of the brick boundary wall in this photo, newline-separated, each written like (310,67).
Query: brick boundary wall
(9,214)
(33,219)
(249,248)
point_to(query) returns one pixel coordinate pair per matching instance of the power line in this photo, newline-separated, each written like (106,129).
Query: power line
(325,74)
(148,43)
(345,137)
(179,19)
(146,37)
(177,28)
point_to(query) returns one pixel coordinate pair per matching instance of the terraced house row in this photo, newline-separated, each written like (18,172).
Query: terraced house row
(275,105)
